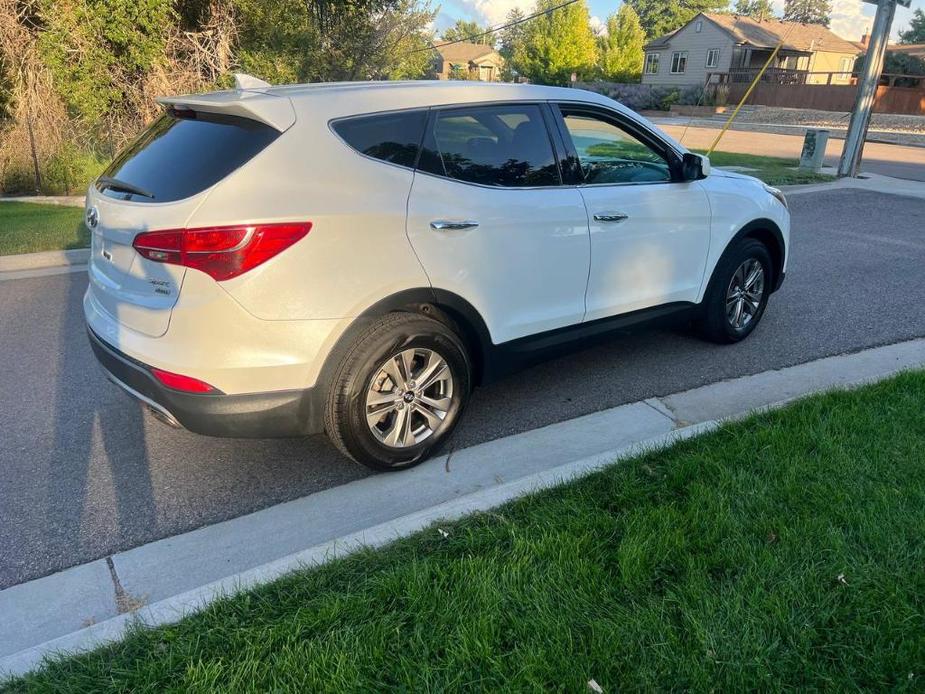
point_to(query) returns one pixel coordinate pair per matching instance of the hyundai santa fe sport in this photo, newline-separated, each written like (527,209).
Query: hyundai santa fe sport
(354,258)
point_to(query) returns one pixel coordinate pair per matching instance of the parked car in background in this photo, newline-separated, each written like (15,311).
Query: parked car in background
(355,258)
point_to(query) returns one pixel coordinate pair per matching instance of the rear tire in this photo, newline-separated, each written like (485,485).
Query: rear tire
(738,293)
(399,391)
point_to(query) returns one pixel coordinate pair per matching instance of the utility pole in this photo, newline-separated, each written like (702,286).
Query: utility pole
(867,87)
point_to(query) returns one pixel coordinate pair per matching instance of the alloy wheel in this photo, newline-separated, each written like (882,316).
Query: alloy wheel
(409,397)
(745,292)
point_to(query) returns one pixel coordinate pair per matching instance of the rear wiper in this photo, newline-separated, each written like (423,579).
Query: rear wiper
(115,184)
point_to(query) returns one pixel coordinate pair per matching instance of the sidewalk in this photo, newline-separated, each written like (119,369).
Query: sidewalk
(158,583)
(896,161)
(65,200)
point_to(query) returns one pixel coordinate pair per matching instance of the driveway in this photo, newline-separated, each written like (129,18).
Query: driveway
(85,472)
(887,160)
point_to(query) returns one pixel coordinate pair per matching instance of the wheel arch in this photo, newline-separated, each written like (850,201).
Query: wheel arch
(444,306)
(768,233)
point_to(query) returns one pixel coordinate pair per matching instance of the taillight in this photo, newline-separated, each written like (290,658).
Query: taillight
(187,384)
(220,252)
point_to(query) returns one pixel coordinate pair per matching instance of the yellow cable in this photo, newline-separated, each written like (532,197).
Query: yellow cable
(745,96)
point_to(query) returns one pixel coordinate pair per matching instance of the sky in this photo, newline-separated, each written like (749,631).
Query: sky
(850,18)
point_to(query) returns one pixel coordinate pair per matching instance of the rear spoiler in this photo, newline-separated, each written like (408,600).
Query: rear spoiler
(275,111)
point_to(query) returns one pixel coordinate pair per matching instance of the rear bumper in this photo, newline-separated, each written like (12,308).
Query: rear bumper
(253,415)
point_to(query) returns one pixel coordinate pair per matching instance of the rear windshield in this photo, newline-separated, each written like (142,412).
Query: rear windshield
(183,153)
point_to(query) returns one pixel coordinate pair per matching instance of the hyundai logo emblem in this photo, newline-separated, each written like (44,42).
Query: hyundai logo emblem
(92,218)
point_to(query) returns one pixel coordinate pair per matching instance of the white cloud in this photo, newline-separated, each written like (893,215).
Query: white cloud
(598,26)
(851,18)
(493,12)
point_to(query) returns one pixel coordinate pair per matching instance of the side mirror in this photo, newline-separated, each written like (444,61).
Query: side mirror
(694,166)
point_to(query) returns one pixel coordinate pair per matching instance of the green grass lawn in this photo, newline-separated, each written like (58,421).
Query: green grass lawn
(784,551)
(775,171)
(27,227)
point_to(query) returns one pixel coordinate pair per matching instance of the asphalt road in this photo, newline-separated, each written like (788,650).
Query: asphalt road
(84,472)
(897,161)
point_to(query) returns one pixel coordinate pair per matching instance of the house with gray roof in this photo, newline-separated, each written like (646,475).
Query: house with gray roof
(713,43)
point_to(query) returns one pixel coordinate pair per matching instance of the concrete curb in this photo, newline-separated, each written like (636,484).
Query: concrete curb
(47,259)
(88,605)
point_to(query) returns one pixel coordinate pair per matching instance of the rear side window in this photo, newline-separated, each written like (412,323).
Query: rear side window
(391,137)
(183,153)
(492,145)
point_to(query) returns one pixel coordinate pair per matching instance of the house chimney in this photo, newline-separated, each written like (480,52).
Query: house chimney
(865,38)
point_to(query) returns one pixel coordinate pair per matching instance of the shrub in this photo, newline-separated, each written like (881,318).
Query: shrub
(669,99)
(70,170)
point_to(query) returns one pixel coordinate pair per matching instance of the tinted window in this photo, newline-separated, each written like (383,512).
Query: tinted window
(492,145)
(609,154)
(183,153)
(392,137)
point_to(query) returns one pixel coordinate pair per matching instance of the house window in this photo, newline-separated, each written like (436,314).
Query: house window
(652,63)
(847,64)
(698,26)
(678,62)
(713,57)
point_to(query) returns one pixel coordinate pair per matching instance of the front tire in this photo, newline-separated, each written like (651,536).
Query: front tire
(738,293)
(398,392)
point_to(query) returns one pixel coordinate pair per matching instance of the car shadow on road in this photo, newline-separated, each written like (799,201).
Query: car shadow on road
(109,492)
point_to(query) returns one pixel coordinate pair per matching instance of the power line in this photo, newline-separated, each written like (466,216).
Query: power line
(498,28)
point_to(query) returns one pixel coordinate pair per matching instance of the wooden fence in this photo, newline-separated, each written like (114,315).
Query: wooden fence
(825,91)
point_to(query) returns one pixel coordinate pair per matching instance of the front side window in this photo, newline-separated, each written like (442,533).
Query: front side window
(492,145)
(608,154)
(713,57)
(391,137)
(678,62)
(652,63)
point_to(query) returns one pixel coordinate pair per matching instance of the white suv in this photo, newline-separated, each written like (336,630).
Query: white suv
(355,258)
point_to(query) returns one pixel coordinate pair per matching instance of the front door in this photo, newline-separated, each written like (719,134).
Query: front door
(650,233)
(489,219)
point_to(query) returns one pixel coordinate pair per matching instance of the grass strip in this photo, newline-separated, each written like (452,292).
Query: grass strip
(783,551)
(28,227)
(775,171)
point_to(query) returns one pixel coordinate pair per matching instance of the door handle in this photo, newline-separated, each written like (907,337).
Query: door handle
(611,217)
(444,225)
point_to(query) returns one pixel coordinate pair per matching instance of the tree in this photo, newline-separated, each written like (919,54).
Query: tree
(557,43)
(97,49)
(916,31)
(621,49)
(324,40)
(511,42)
(756,9)
(467,31)
(662,16)
(895,63)
(808,11)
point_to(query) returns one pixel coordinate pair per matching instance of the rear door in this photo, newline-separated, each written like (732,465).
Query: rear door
(650,232)
(490,221)
(157,183)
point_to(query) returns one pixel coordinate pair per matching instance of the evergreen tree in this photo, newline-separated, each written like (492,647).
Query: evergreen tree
(621,50)
(557,43)
(756,9)
(662,16)
(916,31)
(808,11)
(511,43)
